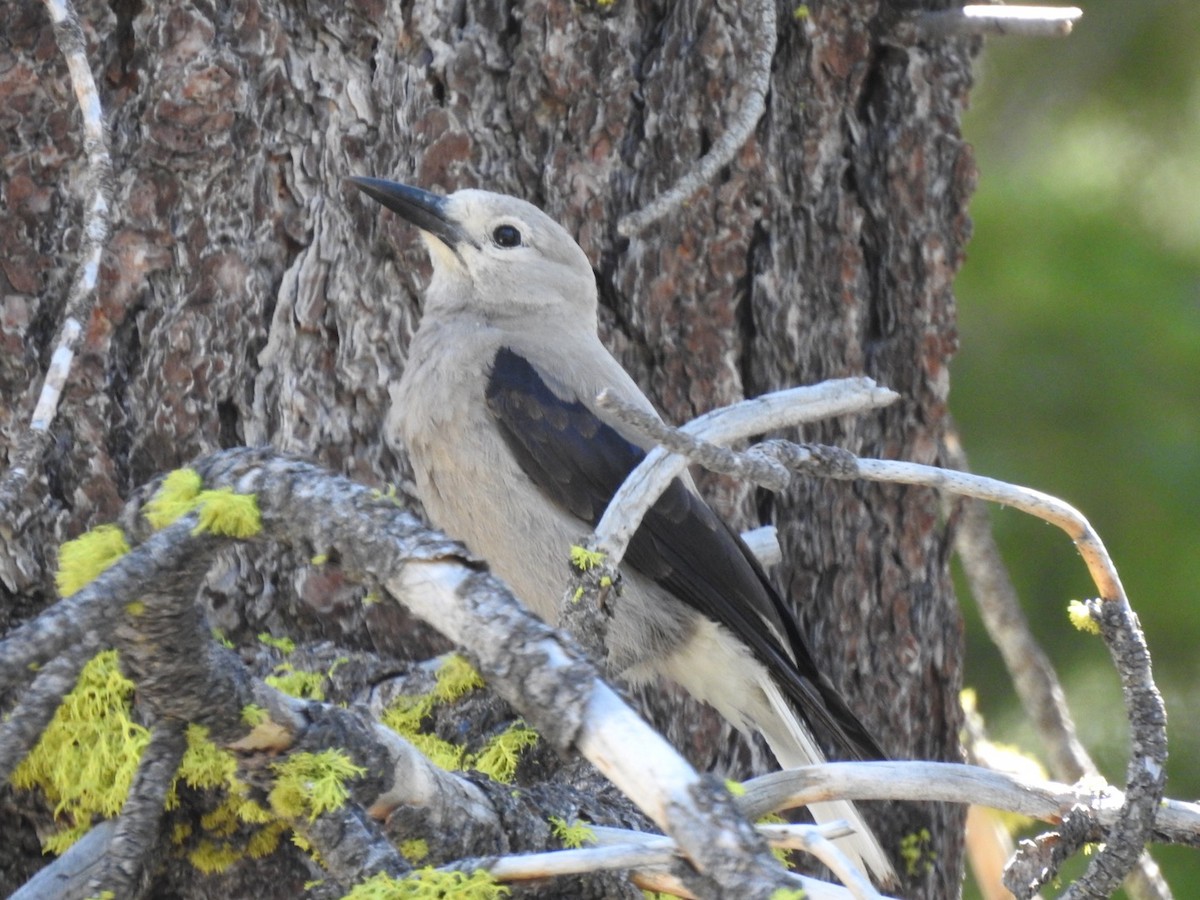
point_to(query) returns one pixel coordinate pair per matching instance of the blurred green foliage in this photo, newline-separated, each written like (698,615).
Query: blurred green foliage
(1079,367)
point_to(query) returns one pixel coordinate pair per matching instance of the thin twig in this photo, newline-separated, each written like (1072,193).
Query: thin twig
(757,79)
(616,849)
(1032,674)
(994,20)
(98,178)
(769,412)
(1177,821)
(1145,773)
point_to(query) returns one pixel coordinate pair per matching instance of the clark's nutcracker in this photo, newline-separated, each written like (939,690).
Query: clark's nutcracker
(496,408)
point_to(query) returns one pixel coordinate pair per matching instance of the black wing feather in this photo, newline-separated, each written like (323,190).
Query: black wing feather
(580,462)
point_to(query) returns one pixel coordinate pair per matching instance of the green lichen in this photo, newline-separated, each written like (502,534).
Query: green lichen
(584,559)
(499,758)
(219,636)
(225,513)
(415,850)
(175,497)
(572,835)
(429,884)
(295,683)
(1081,617)
(309,784)
(254,715)
(916,853)
(88,754)
(80,561)
(284,645)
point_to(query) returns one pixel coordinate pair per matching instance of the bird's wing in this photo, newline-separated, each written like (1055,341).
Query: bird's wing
(579,462)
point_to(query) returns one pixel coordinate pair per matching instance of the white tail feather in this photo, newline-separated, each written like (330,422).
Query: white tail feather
(793,745)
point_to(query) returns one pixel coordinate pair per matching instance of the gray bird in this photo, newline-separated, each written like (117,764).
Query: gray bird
(496,408)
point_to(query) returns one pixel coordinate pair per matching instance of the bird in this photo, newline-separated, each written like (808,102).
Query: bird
(496,409)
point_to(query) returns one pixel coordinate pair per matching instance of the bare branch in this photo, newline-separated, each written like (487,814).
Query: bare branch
(1145,774)
(770,412)
(985,20)
(98,179)
(137,827)
(1177,822)
(754,103)
(617,849)
(21,729)
(1032,674)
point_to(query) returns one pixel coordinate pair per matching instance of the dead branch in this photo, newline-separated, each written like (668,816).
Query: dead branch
(1036,683)
(1145,775)
(754,103)
(782,409)
(990,20)
(97,178)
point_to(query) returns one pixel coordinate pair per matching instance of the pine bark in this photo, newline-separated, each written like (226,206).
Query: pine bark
(249,297)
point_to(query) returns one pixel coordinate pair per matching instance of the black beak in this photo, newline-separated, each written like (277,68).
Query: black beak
(425,210)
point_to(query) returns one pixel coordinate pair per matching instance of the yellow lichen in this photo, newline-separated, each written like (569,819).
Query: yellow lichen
(80,561)
(1081,617)
(254,715)
(499,758)
(89,753)
(780,853)
(584,559)
(175,497)
(308,784)
(225,513)
(428,884)
(572,835)
(916,853)
(294,683)
(284,645)
(212,857)
(455,678)
(415,850)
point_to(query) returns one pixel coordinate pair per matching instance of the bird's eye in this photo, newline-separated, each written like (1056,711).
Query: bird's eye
(506,236)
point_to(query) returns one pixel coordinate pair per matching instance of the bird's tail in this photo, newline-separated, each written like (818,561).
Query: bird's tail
(793,745)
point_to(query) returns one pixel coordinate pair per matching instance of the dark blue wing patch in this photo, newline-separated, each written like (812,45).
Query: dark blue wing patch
(579,462)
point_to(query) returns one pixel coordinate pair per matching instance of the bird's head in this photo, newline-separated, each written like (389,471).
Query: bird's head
(492,254)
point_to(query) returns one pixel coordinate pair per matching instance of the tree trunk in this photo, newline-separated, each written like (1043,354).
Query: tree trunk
(249,297)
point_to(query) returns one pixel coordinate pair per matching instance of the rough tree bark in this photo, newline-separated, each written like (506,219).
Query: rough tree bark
(249,297)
